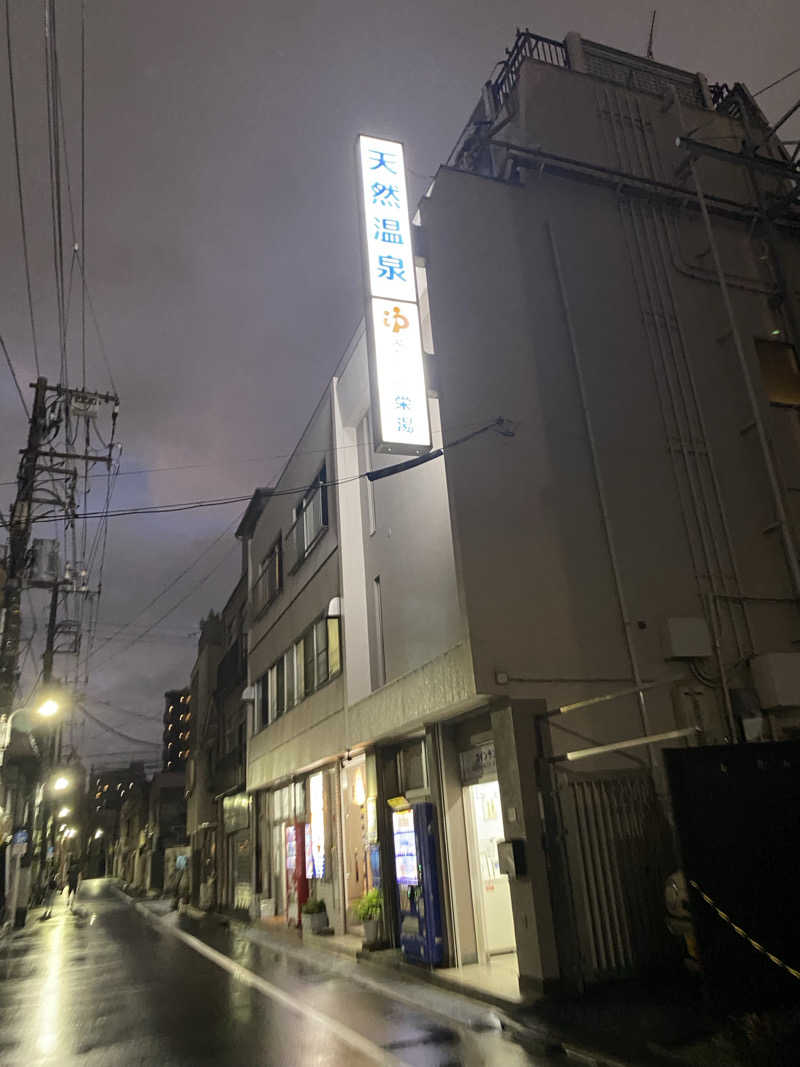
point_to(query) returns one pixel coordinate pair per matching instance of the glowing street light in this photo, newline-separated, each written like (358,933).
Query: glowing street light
(64,812)
(48,708)
(61,783)
(98,834)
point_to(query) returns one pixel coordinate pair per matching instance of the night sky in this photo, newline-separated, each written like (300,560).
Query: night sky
(222,245)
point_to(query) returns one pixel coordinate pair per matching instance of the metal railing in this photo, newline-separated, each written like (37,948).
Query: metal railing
(526,46)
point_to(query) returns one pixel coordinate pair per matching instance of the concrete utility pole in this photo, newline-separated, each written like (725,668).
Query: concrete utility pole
(19,533)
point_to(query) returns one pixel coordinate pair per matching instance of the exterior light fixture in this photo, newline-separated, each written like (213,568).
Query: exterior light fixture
(98,834)
(775,333)
(61,783)
(48,708)
(64,813)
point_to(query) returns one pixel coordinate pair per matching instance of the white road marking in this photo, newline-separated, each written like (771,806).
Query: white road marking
(242,974)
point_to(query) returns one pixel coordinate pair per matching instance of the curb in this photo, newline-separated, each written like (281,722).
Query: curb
(547,1042)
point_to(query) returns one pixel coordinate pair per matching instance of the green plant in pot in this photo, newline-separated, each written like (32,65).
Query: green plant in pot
(368,911)
(316,913)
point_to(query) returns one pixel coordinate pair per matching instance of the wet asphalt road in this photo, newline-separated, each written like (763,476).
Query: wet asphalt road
(105,985)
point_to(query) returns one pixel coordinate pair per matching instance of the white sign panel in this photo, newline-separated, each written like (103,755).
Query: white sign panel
(400,399)
(390,257)
(399,376)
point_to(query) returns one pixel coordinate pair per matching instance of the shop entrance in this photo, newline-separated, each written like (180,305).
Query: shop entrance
(494,919)
(359,832)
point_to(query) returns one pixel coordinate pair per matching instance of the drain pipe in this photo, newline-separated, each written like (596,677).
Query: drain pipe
(780,511)
(598,478)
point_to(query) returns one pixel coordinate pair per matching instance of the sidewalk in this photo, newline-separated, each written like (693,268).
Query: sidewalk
(618,1026)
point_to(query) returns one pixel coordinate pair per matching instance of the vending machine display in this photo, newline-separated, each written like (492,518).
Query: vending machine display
(405,847)
(419,904)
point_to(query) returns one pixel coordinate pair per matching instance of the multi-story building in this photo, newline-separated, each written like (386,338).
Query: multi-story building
(177,736)
(201,822)
(511,631)
(108,790)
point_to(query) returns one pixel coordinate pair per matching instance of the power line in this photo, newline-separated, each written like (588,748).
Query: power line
(19,186)
(169,612)
(127,711)
(777,81)
(190,505)
(117,733)
(170,585)
(16,382)
(233,461)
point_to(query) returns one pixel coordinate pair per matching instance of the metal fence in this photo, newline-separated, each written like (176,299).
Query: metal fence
(619,853)
(526,46)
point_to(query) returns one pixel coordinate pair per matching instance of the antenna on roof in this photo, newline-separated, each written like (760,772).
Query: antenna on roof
(652,33)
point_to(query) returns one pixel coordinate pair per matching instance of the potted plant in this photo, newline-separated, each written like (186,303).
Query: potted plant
(369,910)
(317,915)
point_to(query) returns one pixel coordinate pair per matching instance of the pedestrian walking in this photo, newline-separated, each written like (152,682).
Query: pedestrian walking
(50,888)
(73,877)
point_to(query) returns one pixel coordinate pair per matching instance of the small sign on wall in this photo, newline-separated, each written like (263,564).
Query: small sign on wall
(478,764)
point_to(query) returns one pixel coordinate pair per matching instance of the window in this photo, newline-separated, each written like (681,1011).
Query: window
(288,670)
(779,371)
(270,577)
(321,650)
(310,519)
(334,647)
(303,668)
(308,662)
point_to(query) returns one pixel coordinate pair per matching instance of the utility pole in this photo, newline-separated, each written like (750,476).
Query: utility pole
(19,533)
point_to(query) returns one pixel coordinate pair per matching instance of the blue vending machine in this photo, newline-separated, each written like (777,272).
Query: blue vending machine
(420,908)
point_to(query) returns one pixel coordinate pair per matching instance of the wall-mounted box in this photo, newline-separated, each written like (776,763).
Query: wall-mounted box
(776,676)
(686,638)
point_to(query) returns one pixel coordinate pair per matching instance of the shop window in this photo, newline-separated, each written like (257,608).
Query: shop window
(779,372)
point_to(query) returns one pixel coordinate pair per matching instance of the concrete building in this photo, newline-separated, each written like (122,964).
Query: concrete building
(201,823)
(614,561)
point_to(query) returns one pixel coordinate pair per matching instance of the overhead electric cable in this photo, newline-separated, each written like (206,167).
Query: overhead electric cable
(17,157)
(170,585)
(169,612)
(778,81)
(16,381)
(117,733)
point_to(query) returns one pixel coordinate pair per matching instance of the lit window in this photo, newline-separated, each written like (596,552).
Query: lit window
(779,372)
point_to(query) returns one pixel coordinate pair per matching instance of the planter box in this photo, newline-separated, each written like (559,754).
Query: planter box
(372,929)
(316,921)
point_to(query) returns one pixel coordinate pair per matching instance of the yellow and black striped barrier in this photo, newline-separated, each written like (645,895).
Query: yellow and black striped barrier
(743,933)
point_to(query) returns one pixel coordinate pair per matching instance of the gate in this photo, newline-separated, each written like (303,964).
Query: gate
(616,846)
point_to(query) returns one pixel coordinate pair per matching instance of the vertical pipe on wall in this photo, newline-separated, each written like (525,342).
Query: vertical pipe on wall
(789,547)
(598,479)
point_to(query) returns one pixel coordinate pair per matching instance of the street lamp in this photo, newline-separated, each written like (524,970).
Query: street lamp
(60,784)
(47,709)
(98,834)
(64,812)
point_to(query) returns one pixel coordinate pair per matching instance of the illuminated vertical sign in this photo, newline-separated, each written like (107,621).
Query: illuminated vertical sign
(397,375)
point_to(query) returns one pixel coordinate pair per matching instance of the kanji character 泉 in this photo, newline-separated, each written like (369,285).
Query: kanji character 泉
(391,268)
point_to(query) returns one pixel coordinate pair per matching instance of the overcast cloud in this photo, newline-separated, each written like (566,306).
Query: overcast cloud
(222,244)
